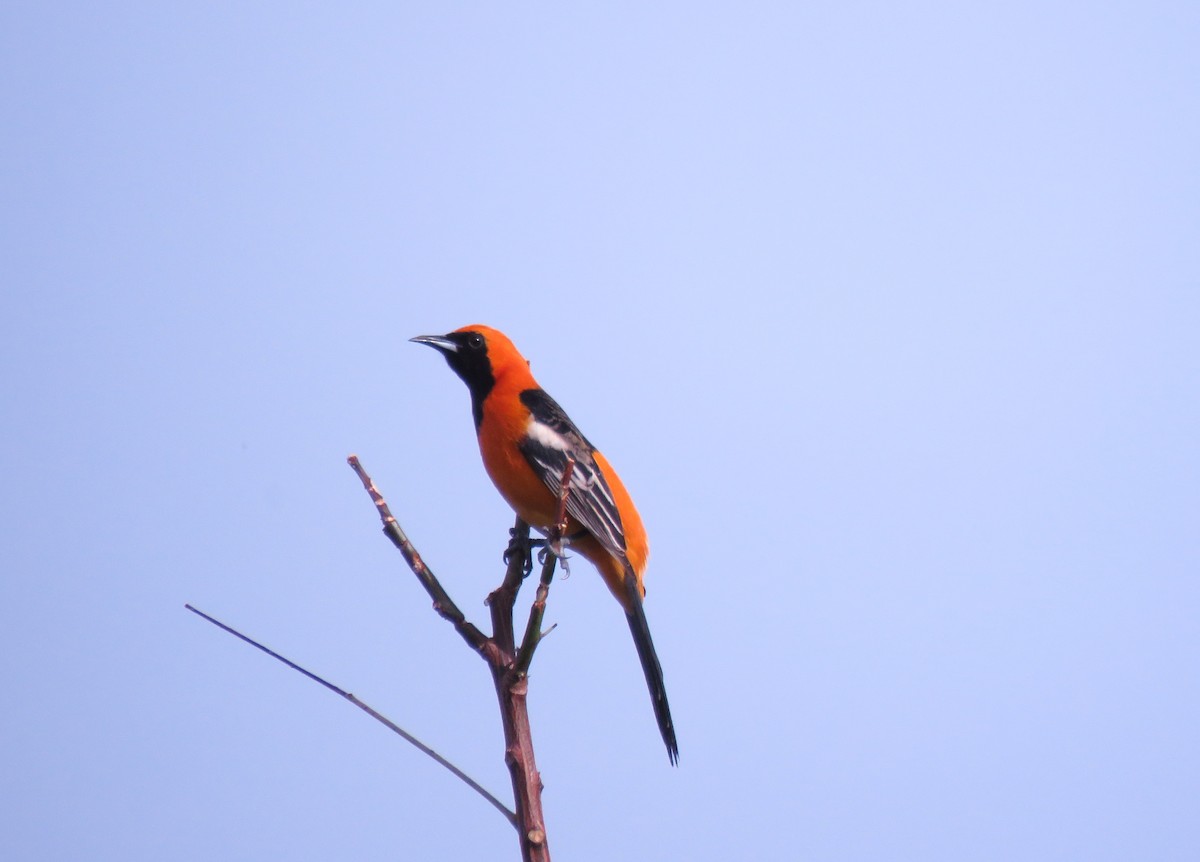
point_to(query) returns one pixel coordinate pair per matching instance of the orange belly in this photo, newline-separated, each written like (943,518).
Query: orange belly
(537,505)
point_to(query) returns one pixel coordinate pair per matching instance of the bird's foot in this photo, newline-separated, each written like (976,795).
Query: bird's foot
(558,548)
(519,548)
(524,549)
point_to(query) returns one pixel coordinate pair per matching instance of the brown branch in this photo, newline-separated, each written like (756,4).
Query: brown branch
(533,629)
(505,595)
(499,651)
(512,691)
(442,603)
(382,719)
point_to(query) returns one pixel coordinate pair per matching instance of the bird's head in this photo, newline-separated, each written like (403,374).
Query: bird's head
(466,351)
(479,355)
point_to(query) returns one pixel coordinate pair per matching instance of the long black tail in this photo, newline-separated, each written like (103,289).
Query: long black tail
(650,666)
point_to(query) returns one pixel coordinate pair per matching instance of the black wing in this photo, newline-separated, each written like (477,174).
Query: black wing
(552,440)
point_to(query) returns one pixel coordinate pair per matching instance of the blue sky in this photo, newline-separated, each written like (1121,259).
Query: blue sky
(887,315)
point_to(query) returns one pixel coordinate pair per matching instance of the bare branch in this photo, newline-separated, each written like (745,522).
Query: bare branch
(382,719)
(533,629)
(501,600)
(499,653)
(442,603)
(507,666)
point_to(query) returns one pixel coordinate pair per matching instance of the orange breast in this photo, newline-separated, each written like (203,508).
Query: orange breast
(499,443)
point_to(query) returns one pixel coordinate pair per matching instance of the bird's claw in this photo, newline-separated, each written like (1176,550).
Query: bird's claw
(518,547)
(558,549)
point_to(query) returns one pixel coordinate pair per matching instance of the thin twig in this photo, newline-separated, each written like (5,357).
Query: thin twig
(442,603)
(382,719)
(533,629)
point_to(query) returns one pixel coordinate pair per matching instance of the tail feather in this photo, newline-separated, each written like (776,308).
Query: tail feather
(640,629)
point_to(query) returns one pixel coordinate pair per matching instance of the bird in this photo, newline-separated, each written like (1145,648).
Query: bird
(526,440)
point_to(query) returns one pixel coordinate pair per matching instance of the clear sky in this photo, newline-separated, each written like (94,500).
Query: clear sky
(887,313)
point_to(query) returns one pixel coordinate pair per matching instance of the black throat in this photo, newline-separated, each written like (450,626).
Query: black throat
(479,386)
(471,363)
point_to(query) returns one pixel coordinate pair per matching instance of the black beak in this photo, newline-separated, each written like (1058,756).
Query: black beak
(439,342)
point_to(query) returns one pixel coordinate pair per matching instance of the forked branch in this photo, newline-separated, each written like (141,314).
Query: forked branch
(508,665)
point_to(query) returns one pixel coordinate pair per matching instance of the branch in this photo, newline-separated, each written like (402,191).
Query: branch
(499,653)
(391,725)
(501,600)
(442,603)
(533,629)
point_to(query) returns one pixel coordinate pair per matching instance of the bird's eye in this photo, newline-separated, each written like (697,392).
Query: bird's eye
(475,340)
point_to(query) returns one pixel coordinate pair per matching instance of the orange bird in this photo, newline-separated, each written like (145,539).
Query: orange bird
(526,440)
